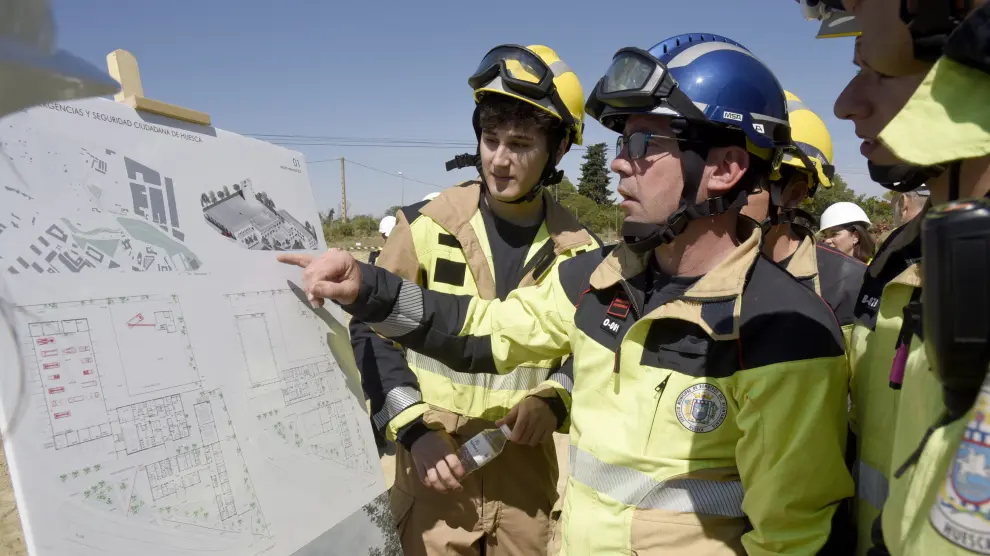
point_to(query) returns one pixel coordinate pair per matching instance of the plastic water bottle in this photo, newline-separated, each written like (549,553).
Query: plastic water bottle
(483,448)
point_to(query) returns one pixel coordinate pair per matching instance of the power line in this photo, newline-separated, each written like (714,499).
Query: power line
(408,143)
(379,142)
(407,178)
(393,174)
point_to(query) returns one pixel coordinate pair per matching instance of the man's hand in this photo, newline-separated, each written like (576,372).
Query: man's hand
(435,455)
(333,275)
(531,421)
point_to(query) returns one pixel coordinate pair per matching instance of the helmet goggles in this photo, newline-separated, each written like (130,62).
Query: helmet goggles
(636,81)
(523,72)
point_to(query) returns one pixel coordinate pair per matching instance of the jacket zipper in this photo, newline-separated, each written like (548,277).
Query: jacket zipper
(633,300)
(636,316)
(656,409)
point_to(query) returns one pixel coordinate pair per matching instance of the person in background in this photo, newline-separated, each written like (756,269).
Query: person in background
(384,228)
(904,207)
(846,228)
(910,204)
(484,238)
(789,239)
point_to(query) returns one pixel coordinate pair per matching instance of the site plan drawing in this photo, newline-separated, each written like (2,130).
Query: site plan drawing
(294,380)
(173,396)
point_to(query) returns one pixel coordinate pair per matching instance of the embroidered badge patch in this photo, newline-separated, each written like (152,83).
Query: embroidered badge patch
(619,308)
(701,408)
(961,512)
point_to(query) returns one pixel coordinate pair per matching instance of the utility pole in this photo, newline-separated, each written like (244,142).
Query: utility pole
(402,198)
(343,193)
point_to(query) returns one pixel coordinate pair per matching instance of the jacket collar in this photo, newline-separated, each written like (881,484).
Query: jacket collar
(454,208)
(725,281)
(804,263)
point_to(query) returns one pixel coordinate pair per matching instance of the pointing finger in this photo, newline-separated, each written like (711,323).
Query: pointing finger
(298,259)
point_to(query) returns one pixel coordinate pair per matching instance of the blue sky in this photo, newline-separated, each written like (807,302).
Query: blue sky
(399,69)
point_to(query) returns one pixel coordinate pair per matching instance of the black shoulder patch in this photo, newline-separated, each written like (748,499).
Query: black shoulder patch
(411,212)
(576,272)
(782,320)
(594,316)
(448,240)
(449,272)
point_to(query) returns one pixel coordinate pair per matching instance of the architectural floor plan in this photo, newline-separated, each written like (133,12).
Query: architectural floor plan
(293,380)
(122,390)
(169,398)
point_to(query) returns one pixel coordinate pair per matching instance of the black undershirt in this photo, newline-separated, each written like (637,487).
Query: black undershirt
(665,287)
(510,244)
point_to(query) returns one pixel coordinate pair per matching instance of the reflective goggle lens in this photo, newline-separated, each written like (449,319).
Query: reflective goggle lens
(628,72)
(519,64)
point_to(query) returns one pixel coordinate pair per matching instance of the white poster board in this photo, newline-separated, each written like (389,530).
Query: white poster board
(174,396)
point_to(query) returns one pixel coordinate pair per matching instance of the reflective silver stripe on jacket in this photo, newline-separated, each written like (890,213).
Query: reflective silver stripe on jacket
(634,488)
(406,315)
(522,378)
(871,484)
(563,380)
(397,400)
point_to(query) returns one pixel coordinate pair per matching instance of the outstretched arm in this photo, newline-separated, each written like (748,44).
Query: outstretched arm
(466,333)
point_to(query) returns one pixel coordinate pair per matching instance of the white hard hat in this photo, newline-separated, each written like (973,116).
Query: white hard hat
(432,196)
(386,225)
(843,214)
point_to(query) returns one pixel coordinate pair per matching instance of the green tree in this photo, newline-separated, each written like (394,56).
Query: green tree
(392,210)
(600,219)
(594,175)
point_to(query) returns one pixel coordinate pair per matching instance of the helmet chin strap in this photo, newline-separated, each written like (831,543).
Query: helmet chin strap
(903,178)
(801,219)
(798,218)
(642,237)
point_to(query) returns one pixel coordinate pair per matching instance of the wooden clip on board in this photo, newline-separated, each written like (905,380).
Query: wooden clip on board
(123,67)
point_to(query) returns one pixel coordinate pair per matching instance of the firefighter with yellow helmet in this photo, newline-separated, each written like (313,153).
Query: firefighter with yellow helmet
(790,239)
(484,238)
(919,104)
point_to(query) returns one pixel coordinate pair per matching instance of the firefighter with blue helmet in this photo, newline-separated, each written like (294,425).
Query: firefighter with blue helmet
(694,429)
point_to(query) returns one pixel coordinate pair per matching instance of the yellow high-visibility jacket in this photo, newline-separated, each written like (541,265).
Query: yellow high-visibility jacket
(443,245)
(714,424)
(892,281)
(941,503)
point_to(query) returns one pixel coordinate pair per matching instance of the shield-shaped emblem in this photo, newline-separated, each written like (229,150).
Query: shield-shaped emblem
(970,472)
(702,409)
